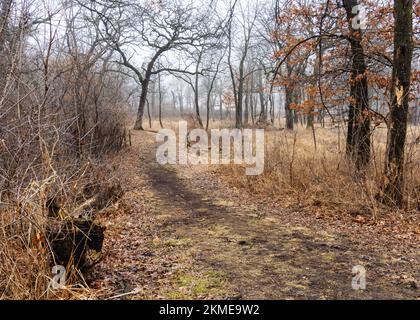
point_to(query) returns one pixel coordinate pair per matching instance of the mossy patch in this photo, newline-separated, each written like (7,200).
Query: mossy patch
(177,242)
(224,232)
(220,231)
(224,203)
(328,256)
(210,284)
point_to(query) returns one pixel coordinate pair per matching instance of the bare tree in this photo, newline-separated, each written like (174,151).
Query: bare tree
(214,73)
(246,22)
(162,27)
(400,90)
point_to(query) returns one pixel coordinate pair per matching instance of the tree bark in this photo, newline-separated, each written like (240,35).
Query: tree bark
(181,102)
(403,55)
(140,112)
(251,97)
(240,99)
(145,81)
(350,133)
(196,89)
(359,124)
(263,114)
(288,111)
(160,101)
(246,113)
(4,21)
(221,106)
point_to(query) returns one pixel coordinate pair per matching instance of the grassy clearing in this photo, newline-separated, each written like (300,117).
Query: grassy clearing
(187,286)
(299,175)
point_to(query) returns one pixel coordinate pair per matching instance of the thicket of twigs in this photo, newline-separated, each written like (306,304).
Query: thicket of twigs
(60,111)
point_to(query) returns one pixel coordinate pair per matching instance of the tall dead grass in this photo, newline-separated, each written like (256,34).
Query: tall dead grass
(26,257)
(321,178)
(47,158)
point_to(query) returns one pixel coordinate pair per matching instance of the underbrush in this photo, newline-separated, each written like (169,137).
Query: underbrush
(50,175)
(27,213)
(321,179)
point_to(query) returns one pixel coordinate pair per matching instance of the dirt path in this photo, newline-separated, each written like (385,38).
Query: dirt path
(180,233)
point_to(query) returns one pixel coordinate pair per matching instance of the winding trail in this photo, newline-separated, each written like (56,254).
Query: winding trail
(181,233)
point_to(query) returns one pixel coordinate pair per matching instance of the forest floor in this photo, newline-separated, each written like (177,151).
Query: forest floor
(183,233)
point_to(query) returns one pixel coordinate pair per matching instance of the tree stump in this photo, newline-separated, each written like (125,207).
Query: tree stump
(71,239)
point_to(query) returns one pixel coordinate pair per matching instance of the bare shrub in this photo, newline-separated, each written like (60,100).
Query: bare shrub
(60,111)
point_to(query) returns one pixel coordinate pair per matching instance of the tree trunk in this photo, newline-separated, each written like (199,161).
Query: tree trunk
(310,120)
(197,105)
(288,111)
(144,89)
(210,104)
(403,54)
(271,99)
(246,114)
(181,103)
(263,114)
(196,96)
(4,21)
(359,129)
(238,109)
(140,112)
(350,133)
(251,96)
(174,100)
(221,106)
(148,114)
(160,101)
(239,101)
(208,107)
(152,91)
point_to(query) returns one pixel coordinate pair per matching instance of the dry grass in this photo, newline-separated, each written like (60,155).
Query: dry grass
(297,174)
(25,255)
